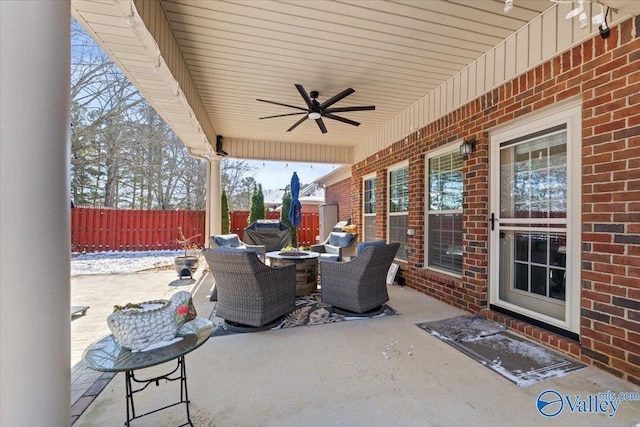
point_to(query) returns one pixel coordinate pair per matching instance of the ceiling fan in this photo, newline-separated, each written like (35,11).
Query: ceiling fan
(316,110)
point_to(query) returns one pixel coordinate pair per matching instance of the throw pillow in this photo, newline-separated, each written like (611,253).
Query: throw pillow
(340,239)
(228,240)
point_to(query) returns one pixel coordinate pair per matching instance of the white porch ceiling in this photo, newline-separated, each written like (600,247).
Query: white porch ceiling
(225,54)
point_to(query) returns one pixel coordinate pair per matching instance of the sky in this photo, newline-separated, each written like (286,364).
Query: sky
(276,175)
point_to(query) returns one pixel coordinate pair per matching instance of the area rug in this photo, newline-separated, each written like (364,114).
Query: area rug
(309,311)
(518,360)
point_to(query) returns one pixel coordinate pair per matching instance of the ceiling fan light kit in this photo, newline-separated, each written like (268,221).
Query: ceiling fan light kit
(317,111)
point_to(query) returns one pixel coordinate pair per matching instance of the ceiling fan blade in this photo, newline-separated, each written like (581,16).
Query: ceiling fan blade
(340,119)
(321,125)
(284,105)
(282,115)
(346,109)
(305,96)
(336,98)
(297,123)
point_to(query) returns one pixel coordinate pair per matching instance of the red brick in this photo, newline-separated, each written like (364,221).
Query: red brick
(611,192)
(608,350)
(626,345)
(598,336)
(610,330)
(596,296)
(626,367)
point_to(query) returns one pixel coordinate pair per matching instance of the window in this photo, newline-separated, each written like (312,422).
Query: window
(444,211)
(399,208)
(369,209)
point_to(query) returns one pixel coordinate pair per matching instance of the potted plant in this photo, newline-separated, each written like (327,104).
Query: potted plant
(186,265)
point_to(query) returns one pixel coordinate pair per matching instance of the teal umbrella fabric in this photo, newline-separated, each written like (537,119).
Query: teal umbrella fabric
(295,211)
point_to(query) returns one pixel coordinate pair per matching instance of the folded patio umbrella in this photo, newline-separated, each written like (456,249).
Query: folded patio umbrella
(295,211)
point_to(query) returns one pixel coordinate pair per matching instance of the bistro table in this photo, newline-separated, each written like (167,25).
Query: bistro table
(106,355)
(306,263)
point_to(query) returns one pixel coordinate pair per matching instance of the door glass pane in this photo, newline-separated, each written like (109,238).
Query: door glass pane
(533,178)
(538,260)
(557,266)
(538,280)
(521,277)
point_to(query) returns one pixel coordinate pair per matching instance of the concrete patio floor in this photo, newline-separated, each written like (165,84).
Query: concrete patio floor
(337,375)
(101,292)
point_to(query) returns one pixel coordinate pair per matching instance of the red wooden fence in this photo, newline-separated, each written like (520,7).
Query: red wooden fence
(96,230)
(101,229)
(309,228)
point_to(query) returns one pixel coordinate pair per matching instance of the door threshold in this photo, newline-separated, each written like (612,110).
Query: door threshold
(542,325)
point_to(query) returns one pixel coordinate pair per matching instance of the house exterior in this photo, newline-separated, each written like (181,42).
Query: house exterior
(311,197)
(539,226)
(549,191)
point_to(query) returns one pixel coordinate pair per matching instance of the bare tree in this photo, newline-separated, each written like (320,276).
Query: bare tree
(238,182)
(123,154)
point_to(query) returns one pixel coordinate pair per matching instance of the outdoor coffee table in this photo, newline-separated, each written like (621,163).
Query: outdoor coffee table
(306,263)
(106,355)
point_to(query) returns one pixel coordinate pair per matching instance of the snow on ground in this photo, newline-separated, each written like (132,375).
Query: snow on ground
(120,262)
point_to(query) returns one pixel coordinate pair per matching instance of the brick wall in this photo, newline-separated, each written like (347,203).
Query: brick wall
(605,75)
(341,195)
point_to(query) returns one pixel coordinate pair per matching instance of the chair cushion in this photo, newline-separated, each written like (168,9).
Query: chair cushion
(238,249)
(340,239)
(228,240)
(362,245)
(329,257)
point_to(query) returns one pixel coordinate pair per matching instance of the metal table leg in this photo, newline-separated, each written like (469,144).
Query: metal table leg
(184,394)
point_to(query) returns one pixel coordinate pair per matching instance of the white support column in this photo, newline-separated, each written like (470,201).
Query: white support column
(214,219)
(35,328)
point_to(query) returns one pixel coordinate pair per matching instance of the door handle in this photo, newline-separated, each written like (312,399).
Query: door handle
(492,220)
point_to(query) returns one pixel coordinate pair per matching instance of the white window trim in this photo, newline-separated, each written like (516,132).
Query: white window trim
(364,213)
(435,153)
(390,169)
(396,167)
(571,114)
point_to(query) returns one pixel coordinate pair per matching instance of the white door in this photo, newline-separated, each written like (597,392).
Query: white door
(534,255)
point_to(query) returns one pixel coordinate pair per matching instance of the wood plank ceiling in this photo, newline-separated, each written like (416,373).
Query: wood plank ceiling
(392,53)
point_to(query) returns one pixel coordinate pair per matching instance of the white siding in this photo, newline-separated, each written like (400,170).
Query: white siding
(287,151)
(537,42)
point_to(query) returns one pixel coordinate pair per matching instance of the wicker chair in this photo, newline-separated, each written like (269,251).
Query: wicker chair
(359,285)
(337,246)
(249,292)
(233,241)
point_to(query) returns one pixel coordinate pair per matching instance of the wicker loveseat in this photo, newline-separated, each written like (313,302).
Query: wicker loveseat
(359,285)
(249,292)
